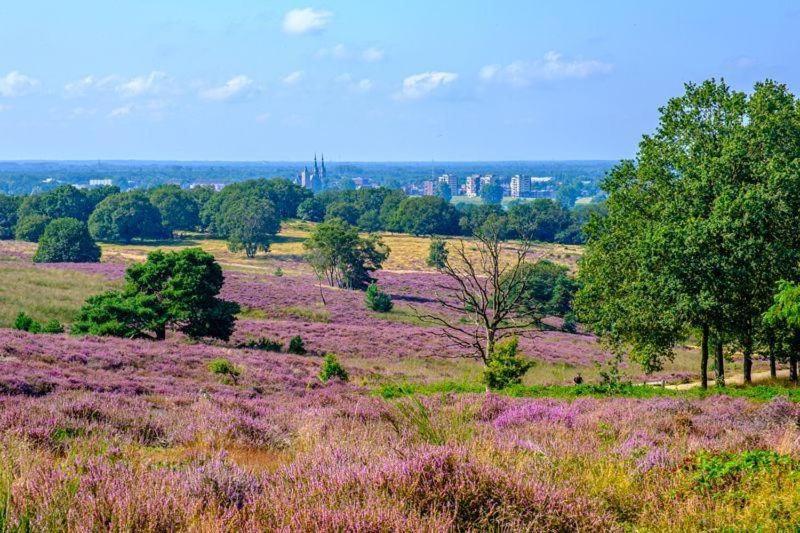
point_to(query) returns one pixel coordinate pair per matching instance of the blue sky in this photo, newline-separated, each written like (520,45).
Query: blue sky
(381,80)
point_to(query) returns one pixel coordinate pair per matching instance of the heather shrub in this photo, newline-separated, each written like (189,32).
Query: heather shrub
(377,300)
(505,367)
(278,272)
(263,343)
(331,368)
(296,345)
(226,369)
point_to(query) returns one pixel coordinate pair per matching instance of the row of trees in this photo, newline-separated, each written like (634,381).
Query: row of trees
(391,210)
(701,232)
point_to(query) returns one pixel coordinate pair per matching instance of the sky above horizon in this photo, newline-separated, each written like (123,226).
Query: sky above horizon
(368,81)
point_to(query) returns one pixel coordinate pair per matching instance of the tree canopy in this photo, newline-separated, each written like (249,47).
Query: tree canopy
(171,290)
(66,240)
(126,216)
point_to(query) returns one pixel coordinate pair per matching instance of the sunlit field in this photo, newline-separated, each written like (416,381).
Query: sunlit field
(142,436)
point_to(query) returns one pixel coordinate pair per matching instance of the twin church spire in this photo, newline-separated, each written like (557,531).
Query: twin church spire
(316,180)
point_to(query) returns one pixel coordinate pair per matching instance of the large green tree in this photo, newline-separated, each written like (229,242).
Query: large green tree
(340,256)
(426,215)
(699,228)
(249,223)
(126,216)
(65,201)
(66,240)
(178,208)
(171,290)
(8,215)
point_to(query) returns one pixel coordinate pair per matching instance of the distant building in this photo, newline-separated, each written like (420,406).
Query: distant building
(520,186)
(452,182)
(100,183)
(473,185)
(317,180)
(428,188)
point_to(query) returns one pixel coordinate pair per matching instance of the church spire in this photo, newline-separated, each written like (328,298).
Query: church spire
(324,171)
(316,167)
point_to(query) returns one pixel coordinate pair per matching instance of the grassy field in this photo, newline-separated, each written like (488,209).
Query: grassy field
(44,293)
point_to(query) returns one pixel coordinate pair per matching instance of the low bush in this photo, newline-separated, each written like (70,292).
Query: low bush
(52,326)
(296,346)
(263,343)
(331,368)
(724,470)
(505,367)
(377,300)
(24,322)
(225,369)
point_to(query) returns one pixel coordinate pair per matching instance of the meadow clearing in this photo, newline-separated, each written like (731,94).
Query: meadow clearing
(137,435)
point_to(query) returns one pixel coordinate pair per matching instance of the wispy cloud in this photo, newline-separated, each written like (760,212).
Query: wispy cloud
(82,86)
(306,20)
(149,84)
(420,85)
(122,111)
(293,78)
(4,107)
(17,84)
(552,66)
(338,51)
(372,55)
(263,117)
(237,88)
(362,85)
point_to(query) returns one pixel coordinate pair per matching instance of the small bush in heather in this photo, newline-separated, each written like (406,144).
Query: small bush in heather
(377,300)
(437,254)
(505,367)
(570,325)
(225,369)
(24,322)
(263,343)
(331,368)
(296,346)
(278,272)
(52,326)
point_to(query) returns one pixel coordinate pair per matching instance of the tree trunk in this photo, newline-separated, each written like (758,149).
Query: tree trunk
(161,333)
(748,360)
(704,358)
(720,364)
(793,357)
(773,370)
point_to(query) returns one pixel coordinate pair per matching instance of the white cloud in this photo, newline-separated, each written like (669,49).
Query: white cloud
(293,77)
(87,83)
(263,117)
(306,20)
(143,85)
(120,112)
(372,55)
(17,84)
(238,87)
(363,85)
(420,85)
(4,107)
(552,66)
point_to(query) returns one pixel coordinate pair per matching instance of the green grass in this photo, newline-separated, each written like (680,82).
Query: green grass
(44,293)
(312,315)
(569,392)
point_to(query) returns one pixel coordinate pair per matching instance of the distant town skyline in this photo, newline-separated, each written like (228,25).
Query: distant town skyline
(248,80)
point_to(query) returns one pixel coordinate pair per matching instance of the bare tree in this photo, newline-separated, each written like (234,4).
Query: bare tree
(489,287)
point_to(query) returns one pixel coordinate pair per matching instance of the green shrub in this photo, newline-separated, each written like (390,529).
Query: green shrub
(718,471)
(278,272)
(377,300)
(224,368)
(296,345)
(24,322)
(505,367)
(331,368)
(437,254)
(263,343)
(66,240)
(52,326)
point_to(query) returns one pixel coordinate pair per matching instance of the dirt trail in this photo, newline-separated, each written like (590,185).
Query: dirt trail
(738,379)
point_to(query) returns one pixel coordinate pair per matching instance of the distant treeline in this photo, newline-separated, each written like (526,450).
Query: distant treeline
(248,213)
